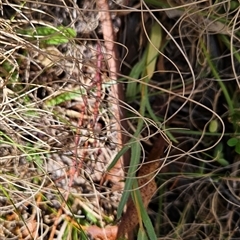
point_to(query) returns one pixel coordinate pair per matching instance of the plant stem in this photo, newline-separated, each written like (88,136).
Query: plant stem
(216,75)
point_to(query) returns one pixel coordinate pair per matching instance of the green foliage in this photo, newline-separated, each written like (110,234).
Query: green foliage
(66,96)
(132,86)
(150,232)
(135,156)
(33,155)
(234,142)
(50,35)
(234,5)
(234,119)
(153,49)
(213,126)
(89,216)
(142,234)
(219,155)
(10,72)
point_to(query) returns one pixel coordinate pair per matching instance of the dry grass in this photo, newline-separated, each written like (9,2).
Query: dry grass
(48,99)
(53,115)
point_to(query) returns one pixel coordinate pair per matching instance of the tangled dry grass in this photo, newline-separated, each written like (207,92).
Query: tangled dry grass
(49,98)
(55,114)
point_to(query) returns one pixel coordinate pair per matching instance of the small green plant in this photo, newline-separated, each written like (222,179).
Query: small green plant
(9,71)
(234,142)
(50,35)
(33,154)
(66,96)
(219,155)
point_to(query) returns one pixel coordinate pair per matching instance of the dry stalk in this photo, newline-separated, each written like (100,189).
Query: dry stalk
(117,97)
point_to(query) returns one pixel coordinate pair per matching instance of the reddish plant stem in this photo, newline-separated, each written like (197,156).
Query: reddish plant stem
(117,173)
(73,168)
(98,83)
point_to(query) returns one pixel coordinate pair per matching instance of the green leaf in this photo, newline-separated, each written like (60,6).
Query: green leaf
(136,72)
(116,158)
(63,97)
(153,49)
(213,126)
(219,155)
(89,216)
(218,149)
(232,142)
(223,162)
(50,35)
(142,234)
(135,157)
(234,5)
(145,218)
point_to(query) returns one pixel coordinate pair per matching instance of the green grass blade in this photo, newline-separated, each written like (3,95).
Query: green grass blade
(142,234)
(50,35)
(135,157)
(66,96)
(131,91)
(145,218)
(153,49)
(119,154)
